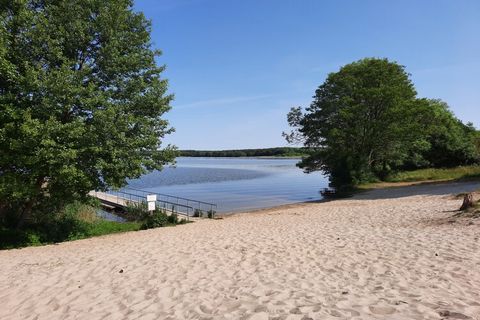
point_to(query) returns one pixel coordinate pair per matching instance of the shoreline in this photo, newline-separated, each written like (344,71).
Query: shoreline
(366,257)
(473,185)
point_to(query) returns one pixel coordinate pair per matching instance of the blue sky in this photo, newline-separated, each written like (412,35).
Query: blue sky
(237,67)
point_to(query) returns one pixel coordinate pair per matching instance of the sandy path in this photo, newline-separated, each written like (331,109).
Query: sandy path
(349,259)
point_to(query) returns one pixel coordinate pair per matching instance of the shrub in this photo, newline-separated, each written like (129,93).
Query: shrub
(197,213)
(211,214)
(76,221)
(136,211)
(158,218)
(81,211)
(33,239)
(173,218)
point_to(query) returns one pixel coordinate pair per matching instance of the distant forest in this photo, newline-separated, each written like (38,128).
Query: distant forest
(267,152)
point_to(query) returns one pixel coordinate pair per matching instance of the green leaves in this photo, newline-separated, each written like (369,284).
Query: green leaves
(81,101)
(366,122)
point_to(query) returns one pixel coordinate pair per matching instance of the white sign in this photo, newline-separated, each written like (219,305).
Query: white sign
(151,197)
(151,206)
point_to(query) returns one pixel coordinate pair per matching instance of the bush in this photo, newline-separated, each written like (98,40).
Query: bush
(81,211)
(173,218)
(157,219)
(211,214)
(136,211)
(197,213)
(77,221)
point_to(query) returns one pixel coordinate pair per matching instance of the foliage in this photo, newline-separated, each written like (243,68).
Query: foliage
(197,213)
(267,152)
(211,214)
(365,123)
(455,173)
(77,221)
(81,100)
(173,218)
(136,211)
(360,122)
(449,142)
(82,211)
(35,235)
(156,219)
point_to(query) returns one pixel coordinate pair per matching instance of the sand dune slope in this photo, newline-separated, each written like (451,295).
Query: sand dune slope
(351,259)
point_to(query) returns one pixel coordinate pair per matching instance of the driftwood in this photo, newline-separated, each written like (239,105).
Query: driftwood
(467,201)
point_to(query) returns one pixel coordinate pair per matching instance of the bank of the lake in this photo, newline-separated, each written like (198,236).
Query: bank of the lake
(395,254)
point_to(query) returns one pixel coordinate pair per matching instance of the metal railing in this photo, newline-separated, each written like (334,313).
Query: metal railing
(126,199)
(179,201)
(184,206)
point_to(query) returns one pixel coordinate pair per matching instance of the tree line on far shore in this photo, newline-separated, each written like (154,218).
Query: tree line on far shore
(263,152)
(366,123)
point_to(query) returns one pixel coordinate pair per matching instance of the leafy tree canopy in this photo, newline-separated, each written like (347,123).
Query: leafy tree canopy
(81,100)
(365,121)
(450,142)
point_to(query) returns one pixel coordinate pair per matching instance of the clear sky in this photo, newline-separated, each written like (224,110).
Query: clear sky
(237,67)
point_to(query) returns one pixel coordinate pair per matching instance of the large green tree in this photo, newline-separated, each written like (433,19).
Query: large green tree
(361,122)
(450,142)
(81,100)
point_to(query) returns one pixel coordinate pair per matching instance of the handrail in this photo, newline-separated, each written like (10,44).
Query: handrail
(126,197)
(168,202)
(162,201)
(167,195)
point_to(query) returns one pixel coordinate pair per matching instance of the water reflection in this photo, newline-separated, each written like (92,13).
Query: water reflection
(236,184)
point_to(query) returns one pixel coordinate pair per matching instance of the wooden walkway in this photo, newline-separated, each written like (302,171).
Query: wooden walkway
(127,197)
(113,201)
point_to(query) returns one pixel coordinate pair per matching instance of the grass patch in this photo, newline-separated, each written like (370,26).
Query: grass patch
(80,221)
(103,227)
(425,175)
(59,231)
(456,173)
(77,221)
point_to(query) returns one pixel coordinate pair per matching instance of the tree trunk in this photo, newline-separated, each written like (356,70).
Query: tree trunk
(467,201)
(3,209)
(26,213)
(27,210)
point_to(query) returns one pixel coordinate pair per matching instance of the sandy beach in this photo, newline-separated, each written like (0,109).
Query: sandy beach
(386,254)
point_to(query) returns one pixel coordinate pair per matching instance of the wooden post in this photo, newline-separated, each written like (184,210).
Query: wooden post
(467,201)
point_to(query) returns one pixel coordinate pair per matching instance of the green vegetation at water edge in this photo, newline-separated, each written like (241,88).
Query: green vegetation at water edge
(265,152)
(36,235)
(156,219)
(82,102)
(77,221)
(80,221)
(433,174)
(366,122)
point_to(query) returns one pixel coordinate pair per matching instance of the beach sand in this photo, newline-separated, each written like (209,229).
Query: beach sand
(386,254)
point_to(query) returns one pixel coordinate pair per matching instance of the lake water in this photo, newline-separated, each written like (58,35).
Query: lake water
(235,184)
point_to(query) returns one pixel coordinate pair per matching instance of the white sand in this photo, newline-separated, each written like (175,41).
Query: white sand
(395,258)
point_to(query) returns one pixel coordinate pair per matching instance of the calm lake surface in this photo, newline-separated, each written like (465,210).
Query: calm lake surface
(236,184)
